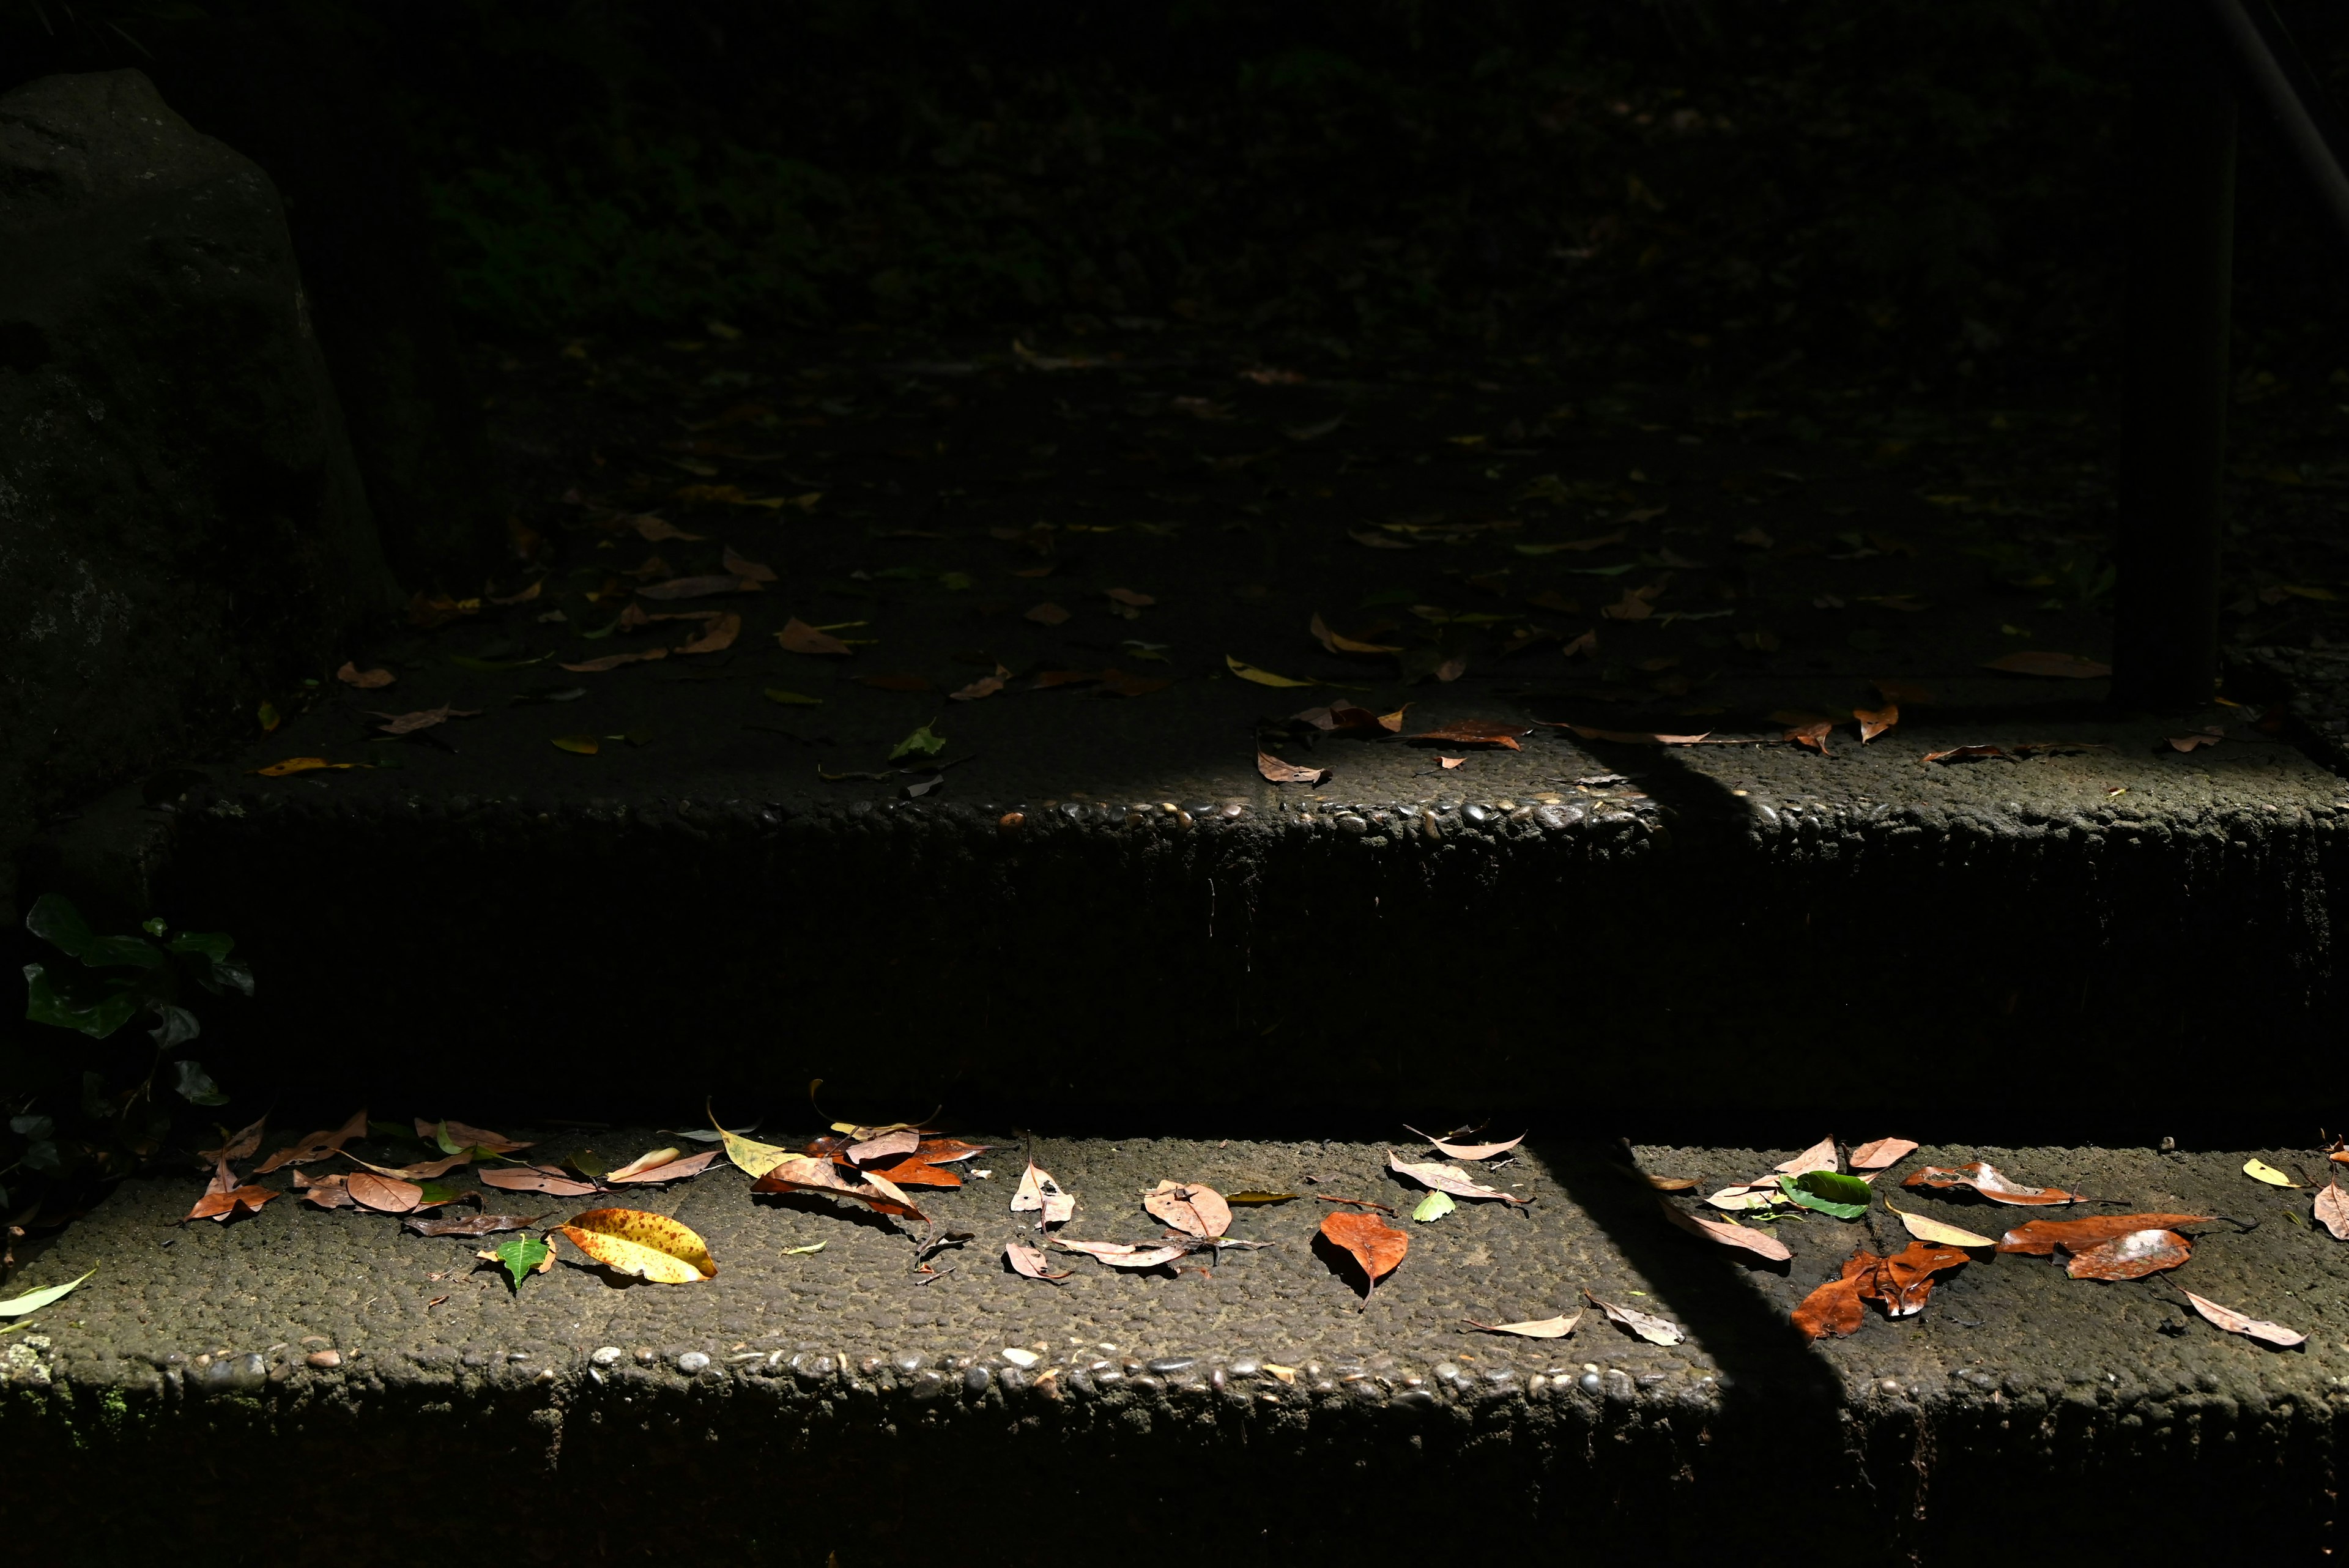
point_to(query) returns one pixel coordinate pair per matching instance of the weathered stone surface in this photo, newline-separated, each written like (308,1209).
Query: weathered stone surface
(182,533)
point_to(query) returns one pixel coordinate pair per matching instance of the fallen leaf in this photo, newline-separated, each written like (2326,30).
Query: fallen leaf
(1047,614)
(809,1250)
(1654,1330)
(226,1194)
(2261,1170)
(1872,724)
(719,636)
(429,1171)
(2200,738)
(1336,643)
(1443,1178)
(1630,737)
(1260,1196)
(1758,1242)
(521,1256)
(1376,1245)
(2040,1238)
(1262,676)
(1828,1192)
(1883,1152)
(794,699)
(1901,1283)
(1833,1310)
(1990,1182)
(650,1246)
(580,745)
(548,1179)
(1123,1255)
(1541,1328)
(799,1173)
(2065,666)
(984,686)
(884,1145)
(317,1145)
(798,637)
(924,742)
(326,1192)
(303,765)
(1029,1262)
(1811,737)
(1672,1183)
(2131,1255)
(699,587)
(34,1301)
(756,1159)
(1127,596)
(1967,754)
(365,679)
(454,1135)
(1040,1194)
(239,1145)
(2332,1211)
(758,572)
(1477,732)
(1553,546)
(1820,1156)
(1468,1150)
(613,661)
(653,530)
(915,1171)
(471,1224)
(1277,771)
(2234,1321)
(384,1194)
(1927,1229)
(1449,763)
(1433,1207)
(422,719)
(1189,1206)
(660,1165)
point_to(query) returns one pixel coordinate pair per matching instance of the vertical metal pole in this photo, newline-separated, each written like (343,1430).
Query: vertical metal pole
(2174,423)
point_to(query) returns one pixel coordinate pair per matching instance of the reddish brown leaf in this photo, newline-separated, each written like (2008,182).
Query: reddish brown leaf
(2233,1322)
(326,1191)
(947,1150)
(757,571)
(984,686)
(1030,1261)
(2063,665)
(1474,732)
(382,1193)
(1587,643)
(1048,614)
(1338,643)
(1968,755)
(701,588)
(915,1171)
(716,637)
(1759,1242)
(548,1179)
(1811,736)
(653,1167)
(1990,1182)
(1376,1245)
(1128,597)
(1884,1151)
(466,1136)
(799,1173)
(423,719)
(613,661)
(1900,1283)
(1277,771)
(1874,724)
(2130,1256)
(240,1144)
(1190,1208)
(365,679)
(1833,1309)
(798,637)
(2040,1238)
(318,1145)
(896,682)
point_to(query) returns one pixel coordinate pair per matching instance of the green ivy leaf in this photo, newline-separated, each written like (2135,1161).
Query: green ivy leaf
(520,1255)
(55,920)
(44,1003)
(196,1085)
(922,742)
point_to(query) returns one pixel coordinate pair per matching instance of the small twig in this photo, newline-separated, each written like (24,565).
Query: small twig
(1358,1202)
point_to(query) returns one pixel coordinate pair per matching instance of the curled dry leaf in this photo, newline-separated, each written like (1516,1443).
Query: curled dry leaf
(800,1173)
(757,571)
(1925,1228)
(947,1150)
(798,637)
(1646,1326)
(1872,724)
(1901,1283)
(1761,1243)
(550,1179)
(2040,1238)
(701,588)
(1990,1182)
(654,1168)
(650,1246)
(1261,677)
(1968,755)
(1029,1262)
(1444,1178)
(365,679)
(1473,733)
(716,637)
(984,686)
(2233,1322)
(2332,1211)
(756,1159)
(429,1171)
(1374,1244)
(652,529)
(1540,1328)
(325,1192)
(1121,1255)
(1275,771)
(226,1195)
(1337,643)
(471,1224)
(1468,1150)
(1040,1194)
(2062,666)
(423,719)
(1189,1206)
(1812,737)
(1820,1156)
(1832,1311)
(2129,1256)
(452,1136)
(1884,1151)
(318,1145)
(886,1145)
(241,1144)
(915,1171)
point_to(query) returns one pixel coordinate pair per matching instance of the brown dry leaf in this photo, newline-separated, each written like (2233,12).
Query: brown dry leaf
(947,1150)
(1637,604)
(318,1145)
(1967,754)
(1759,1242)
(1925,1228)
(1833,1309)
(613,661)
(1337,643)
(365,679)
(1812,737)
(1277,771)
(2040,1238)
(2233,1322)
(383,1194)
(1468,1150)
(1376,1245)
(799,1173)
(1820,1156)
(701,588)
(1874,724)
(1040,1194)
(430,1170)
(2131,1255)
(1654,1330)
(896,681)
(1672,1183)
(2198,738)
(716,637)
(798,637)
(227,1195)
(1118,683)
(1443,1178)
(1475,732)
(473,1137)
(1884,1151)
(2332,1211)
(522,595)
(1587,643)
(1047,614)
(471,1224)
(2063,665)
(757,571)
(884,1145)
(1453,762)
(1540,1328)
(422,719)
(1030,1261)
(326,1191)
(1190,1208)
(984,686)
(1901,1283)
(1128,597)
(1628,737)
(1123,1255)
(660,1165)
(548,1179)
(240,1144)
(653,530)
(1990,1182)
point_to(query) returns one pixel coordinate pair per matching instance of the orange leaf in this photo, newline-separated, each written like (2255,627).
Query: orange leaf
(1129,598)
(1872,724)
(1900,1283)
(798,637)
(365,680)
(799,1173)
(1047,614)
(1376,1245)
(2040,1238)
(1833,1309)
(383,1194)
(1338,643)
(317,1145)
(2130,1257)
(719,636)
(915,1171)
(1477,732)
(1277,771)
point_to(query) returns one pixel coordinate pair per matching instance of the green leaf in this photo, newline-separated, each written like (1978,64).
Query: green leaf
(45,1004)
(196,1085)
(922,742)
(802,1252)
(520,1255)
(212,944)
(1434,1206)
(956,582)
(154,925)
(55,920)
(34,1301)
(428,1192)
(269,717)
(1802,1190)
(175,1027)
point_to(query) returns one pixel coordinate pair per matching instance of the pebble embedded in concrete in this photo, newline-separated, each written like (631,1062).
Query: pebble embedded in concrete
(692,1362)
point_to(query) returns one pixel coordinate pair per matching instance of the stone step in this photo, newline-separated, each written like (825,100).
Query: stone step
(803,1402)
(1118,913)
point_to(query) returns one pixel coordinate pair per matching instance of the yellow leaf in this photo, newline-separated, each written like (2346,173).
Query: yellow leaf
(2261,1170)
(651,1246)
(1263,677)
(583,744)
(758,1159)
(1927,1229)
(300,765)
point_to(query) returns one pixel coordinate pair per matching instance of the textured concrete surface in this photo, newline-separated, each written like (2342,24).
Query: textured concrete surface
(819,1402)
